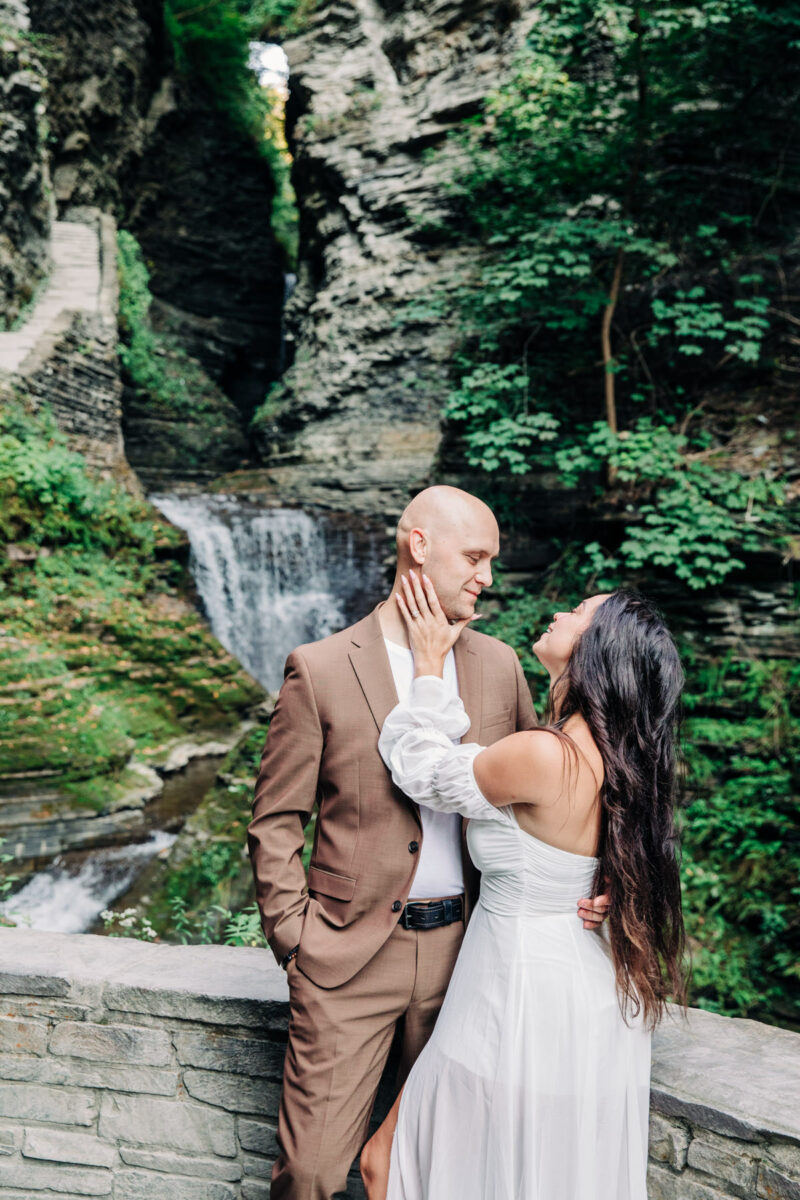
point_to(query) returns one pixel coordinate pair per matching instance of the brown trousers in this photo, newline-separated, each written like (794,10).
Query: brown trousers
(339,1041)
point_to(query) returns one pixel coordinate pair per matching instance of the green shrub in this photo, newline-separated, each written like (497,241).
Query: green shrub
(48,498)
(615,272)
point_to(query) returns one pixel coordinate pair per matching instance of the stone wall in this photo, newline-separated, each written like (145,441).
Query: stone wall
(152,1072)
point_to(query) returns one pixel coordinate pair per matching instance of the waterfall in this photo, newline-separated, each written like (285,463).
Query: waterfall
(270,578)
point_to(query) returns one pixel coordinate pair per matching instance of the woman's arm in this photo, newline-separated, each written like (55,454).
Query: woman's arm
(418,744)
(417,739)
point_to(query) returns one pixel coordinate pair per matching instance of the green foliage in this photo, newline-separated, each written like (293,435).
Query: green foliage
(695,518)
(614,266)
(47,497)
(691,319)
(270,408)
(210,43)
(741,836)
(242,928)
(7,881)
(740,822)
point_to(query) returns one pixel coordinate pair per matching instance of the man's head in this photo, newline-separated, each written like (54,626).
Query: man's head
(453,537)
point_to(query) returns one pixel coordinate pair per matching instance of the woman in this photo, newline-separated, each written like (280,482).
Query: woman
(535,1082)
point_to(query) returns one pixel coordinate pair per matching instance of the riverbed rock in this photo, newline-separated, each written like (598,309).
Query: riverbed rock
(46,822)
(184,752)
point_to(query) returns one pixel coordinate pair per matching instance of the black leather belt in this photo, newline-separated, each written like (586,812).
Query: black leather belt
(432,914)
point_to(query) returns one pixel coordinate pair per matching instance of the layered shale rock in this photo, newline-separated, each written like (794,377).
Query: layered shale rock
(355,420)
(104,67)
(25,206)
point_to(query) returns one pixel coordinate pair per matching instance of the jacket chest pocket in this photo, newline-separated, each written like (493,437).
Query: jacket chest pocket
(499,719)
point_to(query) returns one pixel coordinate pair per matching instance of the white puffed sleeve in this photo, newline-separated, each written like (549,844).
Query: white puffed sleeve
(416,743)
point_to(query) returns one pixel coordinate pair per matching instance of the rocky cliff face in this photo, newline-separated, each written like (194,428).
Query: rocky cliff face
(131,139)
(104,66)
(355,420)
(25,200)
(202,215)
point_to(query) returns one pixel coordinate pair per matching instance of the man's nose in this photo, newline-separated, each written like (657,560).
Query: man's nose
(484,576)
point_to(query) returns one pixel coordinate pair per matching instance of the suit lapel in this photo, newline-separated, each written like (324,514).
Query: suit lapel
(370,661)
(469,672)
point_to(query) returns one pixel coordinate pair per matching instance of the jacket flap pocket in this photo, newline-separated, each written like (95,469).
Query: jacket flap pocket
(328,883)
(496,717)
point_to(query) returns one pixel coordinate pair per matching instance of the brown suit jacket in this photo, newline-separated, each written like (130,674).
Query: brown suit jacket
(322,747)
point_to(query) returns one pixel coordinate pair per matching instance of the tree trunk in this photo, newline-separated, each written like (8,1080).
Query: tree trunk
(605,339)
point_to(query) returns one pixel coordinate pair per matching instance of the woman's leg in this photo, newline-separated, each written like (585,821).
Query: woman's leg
(375,1156)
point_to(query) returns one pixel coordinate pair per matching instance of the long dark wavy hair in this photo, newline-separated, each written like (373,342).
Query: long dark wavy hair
(624,677)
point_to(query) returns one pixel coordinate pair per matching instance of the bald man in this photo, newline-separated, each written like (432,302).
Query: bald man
(370,937)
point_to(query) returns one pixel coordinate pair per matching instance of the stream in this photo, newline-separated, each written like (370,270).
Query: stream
(68,895)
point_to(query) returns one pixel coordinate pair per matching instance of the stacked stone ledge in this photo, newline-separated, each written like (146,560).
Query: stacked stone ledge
(141,1072)
(129,1070)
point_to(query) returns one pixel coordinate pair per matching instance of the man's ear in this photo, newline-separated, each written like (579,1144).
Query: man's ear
(418,546)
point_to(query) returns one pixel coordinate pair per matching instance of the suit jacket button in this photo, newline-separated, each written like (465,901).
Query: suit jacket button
(413,847)
(397,906)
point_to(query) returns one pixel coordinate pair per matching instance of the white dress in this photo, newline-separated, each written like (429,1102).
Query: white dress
(532,1086)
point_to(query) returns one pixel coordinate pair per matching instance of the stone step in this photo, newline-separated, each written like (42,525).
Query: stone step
(74,286)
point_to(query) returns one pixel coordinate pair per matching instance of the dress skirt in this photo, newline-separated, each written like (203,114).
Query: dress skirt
(532,1086)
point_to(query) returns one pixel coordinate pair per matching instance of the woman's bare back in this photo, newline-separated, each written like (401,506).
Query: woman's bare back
(552,782)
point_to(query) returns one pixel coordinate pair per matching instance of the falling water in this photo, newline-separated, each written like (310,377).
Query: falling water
(69,895)
(270,579)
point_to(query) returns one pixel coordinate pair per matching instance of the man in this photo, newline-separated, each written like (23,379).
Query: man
(371,937)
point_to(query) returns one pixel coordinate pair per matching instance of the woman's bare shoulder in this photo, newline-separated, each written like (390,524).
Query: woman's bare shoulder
(522,768)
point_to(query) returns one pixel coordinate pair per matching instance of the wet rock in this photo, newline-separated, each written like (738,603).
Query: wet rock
(131,138)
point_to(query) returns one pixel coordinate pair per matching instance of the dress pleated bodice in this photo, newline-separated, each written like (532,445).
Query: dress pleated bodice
(522,875)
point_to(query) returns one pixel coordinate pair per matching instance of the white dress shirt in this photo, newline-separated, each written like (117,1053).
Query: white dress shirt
(440,871)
